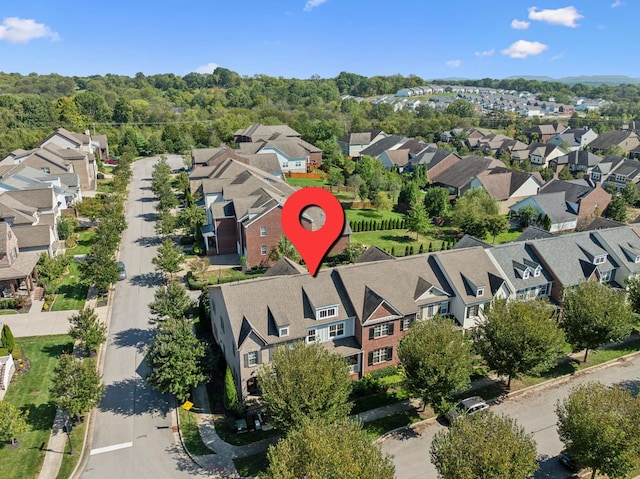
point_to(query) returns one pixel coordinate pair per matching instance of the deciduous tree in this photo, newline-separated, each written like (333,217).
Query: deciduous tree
(76,386)
(600,427)
(471,211)
(12,422)
(436,202)
(169,258)
(418,221)
(284,249)
(593,315)
(88,330)
(484,446)
(176,358)
(310,451)
(305,382)
(519,337)
(171,301)
(436,360)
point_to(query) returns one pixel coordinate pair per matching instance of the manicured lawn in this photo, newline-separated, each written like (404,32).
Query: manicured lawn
(31,392)
(252,466)
(85,238)
(305,182)
(376,215)
(398,240)
(72,294)
(227,275)
(191,435)
(506,237)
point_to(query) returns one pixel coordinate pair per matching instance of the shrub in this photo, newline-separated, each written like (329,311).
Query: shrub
(100,175)
(193,283)
(384,372)
(366,386)
(8,303)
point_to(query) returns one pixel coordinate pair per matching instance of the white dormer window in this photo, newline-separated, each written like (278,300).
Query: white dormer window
(325,313)
(600,259)
(537,271)
(479,292)
(284,331)
(525,274)
(637,259)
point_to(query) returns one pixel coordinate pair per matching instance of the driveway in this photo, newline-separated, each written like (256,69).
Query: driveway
(534,410)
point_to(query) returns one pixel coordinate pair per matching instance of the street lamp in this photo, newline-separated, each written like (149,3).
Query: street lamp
(67,429)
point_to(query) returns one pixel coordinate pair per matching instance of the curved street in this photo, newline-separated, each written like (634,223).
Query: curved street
(133,434)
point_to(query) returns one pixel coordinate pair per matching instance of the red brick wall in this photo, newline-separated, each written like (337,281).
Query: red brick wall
(597,197)
(254,241)
(227,238)
(369,345)
(315,160)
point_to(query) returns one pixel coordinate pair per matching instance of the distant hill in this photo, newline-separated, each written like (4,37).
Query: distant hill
(592,80)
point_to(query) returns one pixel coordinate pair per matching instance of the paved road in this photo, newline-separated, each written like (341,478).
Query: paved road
(132,436)
(535,411)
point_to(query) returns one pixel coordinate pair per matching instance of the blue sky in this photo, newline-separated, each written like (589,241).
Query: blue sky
(301,38)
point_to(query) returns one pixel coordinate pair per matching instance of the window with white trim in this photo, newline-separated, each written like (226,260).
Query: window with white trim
(544,290)
(480,292)
(380,355)
(605,276)
(263,231)
(381,330)
(336,330)
(473,311)
(525,274)
(284,331)
(252,358)
(537,272)
(599,259)
(406,323)
(327,312)
(263,249)
(444,308)
(311,336)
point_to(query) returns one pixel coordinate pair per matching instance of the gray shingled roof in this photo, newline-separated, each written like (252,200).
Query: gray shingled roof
(258,131)
(388,143)
(461,173)
(533,233)
(572,192)
(513,258)
(373,253)
(610,138)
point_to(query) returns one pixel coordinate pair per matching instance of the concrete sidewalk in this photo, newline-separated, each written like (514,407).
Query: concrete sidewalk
(37,322)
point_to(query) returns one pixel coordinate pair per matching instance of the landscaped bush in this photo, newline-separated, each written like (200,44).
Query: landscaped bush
(193,283)
(366,386)
(8,303)
(100,175)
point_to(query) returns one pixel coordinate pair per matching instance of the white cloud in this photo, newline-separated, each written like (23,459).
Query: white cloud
(616,4)
(485,53)
(453,63)
(520,24)
(21,30)
(556,57)
(208,68)
(566,16)
(311,4)
(524,48)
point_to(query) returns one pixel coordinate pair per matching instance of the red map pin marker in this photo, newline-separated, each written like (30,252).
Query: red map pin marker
(312,245)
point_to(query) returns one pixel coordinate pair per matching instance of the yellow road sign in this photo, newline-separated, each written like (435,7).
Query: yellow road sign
(187,405)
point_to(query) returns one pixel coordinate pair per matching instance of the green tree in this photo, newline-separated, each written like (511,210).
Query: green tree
(484,446)
(90,207)
(472,209)
(12,422)
(527,215)
(495,225)
(633,293)
(461,108)
(171,301)
(199,267)
(382,202)
(122,112)
(436,202)
(176,358)
(409,193)
(75,386)
(309,451)
(169,258)
(565,174)
(352,252)
(67,226)
(192,218)
(600,427)
(284,249)
(166,222)
(593,315)
(305,382)
(617,209)
(99,268)
(519,337)
(88,330)
(433,372)
(7,341)
(418,221)
(630,193)
(230,399)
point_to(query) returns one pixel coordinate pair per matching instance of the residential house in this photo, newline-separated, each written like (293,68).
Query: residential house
(391,142)
(508,186)
(544,132)
(625,140)
(552,206)
(352,144)
(458,177)
(577,161)
(18,273)
(395,159)
(617,171)
(258,131)
(243,205)
(573,139)
(538,154)
(294,154)
(584,200)
(436,159)
(212,157)
(66,186)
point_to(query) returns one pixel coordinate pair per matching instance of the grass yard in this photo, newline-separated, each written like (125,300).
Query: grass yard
(398,240)
(505,237)
(305,182)
(252,466)
(72,294)
(376,215)
(85,238)
(191,435)
(31,392)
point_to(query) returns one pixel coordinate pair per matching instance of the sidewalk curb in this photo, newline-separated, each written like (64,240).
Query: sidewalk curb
(184,448)
(535,387)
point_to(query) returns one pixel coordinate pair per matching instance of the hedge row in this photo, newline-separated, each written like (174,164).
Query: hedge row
(377,225)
